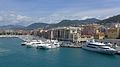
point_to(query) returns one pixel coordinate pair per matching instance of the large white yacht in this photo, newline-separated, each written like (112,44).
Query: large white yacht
(98,47)
(49,44)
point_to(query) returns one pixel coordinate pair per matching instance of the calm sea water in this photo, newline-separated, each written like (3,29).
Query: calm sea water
(12,54)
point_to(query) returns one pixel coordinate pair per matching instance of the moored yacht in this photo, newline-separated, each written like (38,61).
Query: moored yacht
(98,47)
(33,43)
(49,44)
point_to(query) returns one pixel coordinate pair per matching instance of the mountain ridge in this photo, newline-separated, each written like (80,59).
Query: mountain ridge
(113,19)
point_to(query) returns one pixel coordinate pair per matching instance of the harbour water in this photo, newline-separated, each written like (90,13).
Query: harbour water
(12,54)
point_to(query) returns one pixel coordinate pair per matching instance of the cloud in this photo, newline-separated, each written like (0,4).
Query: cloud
(86,17)
(74,14)
(1,18)
(11,17)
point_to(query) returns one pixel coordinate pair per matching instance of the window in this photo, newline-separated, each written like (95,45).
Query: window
(91,46)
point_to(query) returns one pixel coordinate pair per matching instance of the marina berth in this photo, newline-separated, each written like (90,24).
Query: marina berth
(98,47)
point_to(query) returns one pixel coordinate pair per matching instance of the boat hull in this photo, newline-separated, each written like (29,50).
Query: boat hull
(111,52)
(48,46)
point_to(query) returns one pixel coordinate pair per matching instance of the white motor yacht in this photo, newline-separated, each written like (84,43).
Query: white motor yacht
(98,47)
(49,44)
(33,43)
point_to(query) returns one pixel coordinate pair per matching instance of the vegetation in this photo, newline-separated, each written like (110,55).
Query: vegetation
(62,23)
(114,19)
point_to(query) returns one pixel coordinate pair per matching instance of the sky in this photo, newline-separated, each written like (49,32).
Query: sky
(25,12)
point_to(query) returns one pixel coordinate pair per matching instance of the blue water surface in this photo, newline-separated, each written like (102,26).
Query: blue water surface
(12,54)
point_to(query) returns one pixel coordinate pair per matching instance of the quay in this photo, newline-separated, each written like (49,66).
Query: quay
(71,46)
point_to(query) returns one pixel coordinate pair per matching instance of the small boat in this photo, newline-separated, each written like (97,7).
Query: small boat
(98,47)
(44,46)
(25,42)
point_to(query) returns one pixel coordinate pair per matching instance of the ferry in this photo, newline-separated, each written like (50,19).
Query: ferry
(98,47)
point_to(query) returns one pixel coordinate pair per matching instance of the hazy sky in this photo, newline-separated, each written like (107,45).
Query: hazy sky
(52,11)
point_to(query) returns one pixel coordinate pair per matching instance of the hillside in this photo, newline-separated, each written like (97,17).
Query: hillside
(107,22)
(37,25)
(114,19)
(62,23)
(12,27)
(76,22)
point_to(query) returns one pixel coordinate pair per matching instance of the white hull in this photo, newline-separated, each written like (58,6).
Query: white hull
(31,45)
(48,46)
(100,50)
(23,43)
